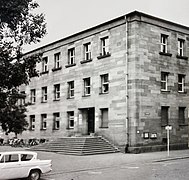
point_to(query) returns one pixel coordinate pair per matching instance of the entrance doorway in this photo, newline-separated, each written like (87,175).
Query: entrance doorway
(88,120)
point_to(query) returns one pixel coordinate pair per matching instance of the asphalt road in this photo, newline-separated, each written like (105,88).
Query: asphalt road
(167,170)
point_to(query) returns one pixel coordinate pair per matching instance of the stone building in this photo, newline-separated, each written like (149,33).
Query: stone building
(125,79)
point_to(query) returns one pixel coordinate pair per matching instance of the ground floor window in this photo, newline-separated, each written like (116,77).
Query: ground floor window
(32,122)
(104,118)
(56,119)
(181,115)
(43,121)
(70,115)
(164,115)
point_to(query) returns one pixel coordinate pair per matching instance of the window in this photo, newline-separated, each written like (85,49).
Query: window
(22,98)
(104,83)
(164,43)
(44,121)
(164,115)
(104,118)
(56,117)
(181,82)
(57,60)
(26,157)
(164,81)
(57,92)
(87,51)
(70,119)
(44,94)
(181,115)
(87,86)
(32,96)
(32,122)
(71,89)
(45,64)
(71,56)
(105,46)
(180,47)
(11,158)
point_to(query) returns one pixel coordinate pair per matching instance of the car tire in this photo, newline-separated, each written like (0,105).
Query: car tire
(34,175)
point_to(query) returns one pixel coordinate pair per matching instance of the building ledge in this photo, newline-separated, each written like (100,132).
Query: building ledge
(85,61)
(70,65)
(104,55)
(57,69)
(165,54)
(182,57)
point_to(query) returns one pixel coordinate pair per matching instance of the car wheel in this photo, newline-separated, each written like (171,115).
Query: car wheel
(34,175)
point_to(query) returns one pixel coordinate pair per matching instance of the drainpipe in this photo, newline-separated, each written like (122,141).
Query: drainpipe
(126,88)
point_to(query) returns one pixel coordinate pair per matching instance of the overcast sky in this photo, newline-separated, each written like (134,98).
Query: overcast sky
(66,17)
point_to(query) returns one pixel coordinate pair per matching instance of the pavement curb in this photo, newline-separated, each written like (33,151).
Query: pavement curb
(171,159)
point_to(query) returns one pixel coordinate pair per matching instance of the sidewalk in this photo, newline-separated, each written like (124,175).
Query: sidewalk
(67,163)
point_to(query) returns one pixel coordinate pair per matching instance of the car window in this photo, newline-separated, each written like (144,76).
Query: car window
(2,159)
(26,157)
(11,158)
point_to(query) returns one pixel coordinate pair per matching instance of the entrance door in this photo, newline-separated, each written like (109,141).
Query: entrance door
(91,120)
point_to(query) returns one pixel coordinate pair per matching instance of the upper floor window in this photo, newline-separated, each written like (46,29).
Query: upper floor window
(32,122)
(32,96)
(181,82)
(87,86)
(180,47)
(44,94)
(164,43)
(45,64)
(104,83)
(56,123)
(71,89)
(56,91)
(87,51)
(105,46)
(71,56)
(164,81)
(57,60)
(43,121)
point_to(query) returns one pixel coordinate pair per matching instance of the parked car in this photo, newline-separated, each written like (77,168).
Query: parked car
(22,164)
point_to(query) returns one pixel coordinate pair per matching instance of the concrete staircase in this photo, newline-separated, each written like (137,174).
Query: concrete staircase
(78,146)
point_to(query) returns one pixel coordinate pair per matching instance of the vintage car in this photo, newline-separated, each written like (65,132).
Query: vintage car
(22,164)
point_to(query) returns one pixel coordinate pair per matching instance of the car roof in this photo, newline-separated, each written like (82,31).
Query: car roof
(19,152)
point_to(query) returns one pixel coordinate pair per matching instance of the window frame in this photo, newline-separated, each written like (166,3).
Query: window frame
(44,94)
(71,56)
(70,116)
(43,121)
(165,122)
(105,45)
(45,64)
(57,92)
(182,120)
(87,86)
(32,123)
(33,96)
(57,60)
(181,83)
(56,118)
(164,43)
(71,89)
(104,122)
(164,81)
(87,51)
(104,84)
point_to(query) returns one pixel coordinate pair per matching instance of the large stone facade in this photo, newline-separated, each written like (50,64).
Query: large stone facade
(135,98)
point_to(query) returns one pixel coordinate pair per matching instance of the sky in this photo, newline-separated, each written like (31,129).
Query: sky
(67,17)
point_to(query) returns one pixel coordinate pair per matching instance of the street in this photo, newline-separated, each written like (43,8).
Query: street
(174,170)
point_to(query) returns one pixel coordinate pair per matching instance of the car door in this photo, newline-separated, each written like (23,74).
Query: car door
(10,166)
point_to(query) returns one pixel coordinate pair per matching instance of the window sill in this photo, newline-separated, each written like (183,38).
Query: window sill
(45,72)
(183,124)
(70,97)
(103,93)
(182,57)
(57,69)
(70,65)
(43,101)
(165,91)
(103,127)
(86,95)
(180,92)
(43,129)
(56,129)
(31,104)
(56,99)
(165,54)
(85,61)
(104,56)
(68,128)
